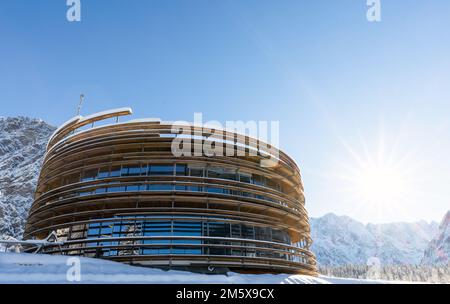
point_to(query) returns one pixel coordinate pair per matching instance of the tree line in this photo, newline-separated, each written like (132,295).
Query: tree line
(411,273)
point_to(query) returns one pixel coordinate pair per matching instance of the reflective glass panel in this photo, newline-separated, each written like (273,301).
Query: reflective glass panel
(160,170)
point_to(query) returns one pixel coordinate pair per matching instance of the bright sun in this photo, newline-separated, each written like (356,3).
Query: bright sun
(380,184)
(377,181)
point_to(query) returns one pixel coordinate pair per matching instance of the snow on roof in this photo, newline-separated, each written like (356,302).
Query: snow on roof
(126,110)
(143,120)
(71,121)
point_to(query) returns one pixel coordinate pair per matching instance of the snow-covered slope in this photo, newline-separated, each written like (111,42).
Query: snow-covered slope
(37,269)
(340,240)
(438,250)
(22,146)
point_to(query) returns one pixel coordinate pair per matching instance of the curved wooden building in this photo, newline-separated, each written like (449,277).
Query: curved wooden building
(116,191)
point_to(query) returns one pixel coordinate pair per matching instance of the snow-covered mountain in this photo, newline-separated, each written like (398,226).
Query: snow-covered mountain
(22,146)
(341,240)
(438,250)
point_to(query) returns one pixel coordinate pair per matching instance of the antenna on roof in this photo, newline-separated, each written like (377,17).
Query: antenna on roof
(80,104)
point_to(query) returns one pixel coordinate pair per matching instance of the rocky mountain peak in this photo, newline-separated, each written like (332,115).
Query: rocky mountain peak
(22,147)
(438,251)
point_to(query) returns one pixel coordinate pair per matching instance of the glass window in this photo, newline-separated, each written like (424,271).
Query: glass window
(196,171)
(62,234)
(236,192)
(258,180)
(180,188)
(280,236)
(133,188)
(214,190)
(116,229)
(186,241)
(219,229)
(107,229)
(157,241)
(248,232)
(128,229)
(229,174)
(187,228)
(115,171)
(100,190)
(89,175)
(247,194)
(131,170)
(164,251)
(103,172)
(236,231)
(220,250)
(263,233)
(94,230)
(144,169)
(186,250)
(157,228)
(85,193)
(236,252)
(181,170)
(245,177)
(160,170)
(250,252)
(134,171)
(217,251)
(124,171)
(194,188)
(166,187)
(116,189)
(178,250)
(150,251)
(77,232)
(160,187)
(215,172)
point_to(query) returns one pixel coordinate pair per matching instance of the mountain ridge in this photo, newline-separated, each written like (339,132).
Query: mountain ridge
(341,240)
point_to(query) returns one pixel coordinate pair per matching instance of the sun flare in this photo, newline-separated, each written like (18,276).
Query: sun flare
(378,181)
(380,184)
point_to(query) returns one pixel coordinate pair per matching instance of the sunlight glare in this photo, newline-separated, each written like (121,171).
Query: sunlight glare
(380,184)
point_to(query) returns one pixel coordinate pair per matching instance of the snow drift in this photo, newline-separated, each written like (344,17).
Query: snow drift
(43,269)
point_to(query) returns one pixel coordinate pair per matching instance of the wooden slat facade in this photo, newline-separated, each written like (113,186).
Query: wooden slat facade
(101,191)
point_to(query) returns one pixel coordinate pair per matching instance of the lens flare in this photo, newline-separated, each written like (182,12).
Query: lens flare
(378,182)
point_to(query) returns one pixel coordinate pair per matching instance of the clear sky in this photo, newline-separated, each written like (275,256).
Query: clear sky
(355,100)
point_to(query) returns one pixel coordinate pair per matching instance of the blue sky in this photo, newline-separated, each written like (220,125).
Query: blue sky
(341,87)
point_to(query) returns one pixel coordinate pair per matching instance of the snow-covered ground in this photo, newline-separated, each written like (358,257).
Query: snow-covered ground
(37,269)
